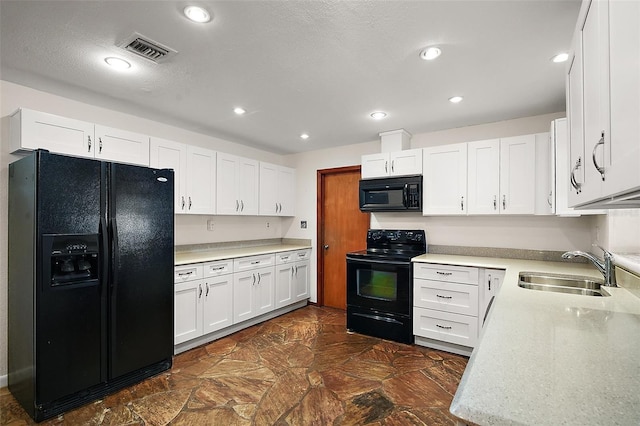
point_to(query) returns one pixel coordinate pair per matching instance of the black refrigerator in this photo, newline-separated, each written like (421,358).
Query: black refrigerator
(91,257)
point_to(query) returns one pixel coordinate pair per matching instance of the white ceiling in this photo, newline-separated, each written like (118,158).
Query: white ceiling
(319,67)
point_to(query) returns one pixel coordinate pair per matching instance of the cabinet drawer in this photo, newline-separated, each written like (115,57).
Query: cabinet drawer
(253,262)
(214,269)
(445,326)
(292,256)
(448,273)
(187,273)
(443,296)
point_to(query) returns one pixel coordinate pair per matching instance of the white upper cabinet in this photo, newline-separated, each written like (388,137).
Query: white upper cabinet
(237,185)
(277,190)
(33,130)
(483,180)
(517,174)
(399,163)
(607,58)
(113,144)
(194,171)
(445,180)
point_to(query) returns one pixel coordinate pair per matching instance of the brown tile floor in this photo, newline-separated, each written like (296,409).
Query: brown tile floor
(302,368)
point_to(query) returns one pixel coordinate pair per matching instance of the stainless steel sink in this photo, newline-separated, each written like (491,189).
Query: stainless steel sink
(572,284)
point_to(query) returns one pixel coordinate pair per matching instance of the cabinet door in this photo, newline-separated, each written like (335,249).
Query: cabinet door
(446,296)
(268,204)
(166,154)
(301,282)
(595,59)
(121,146)
(445,180)
(248,182)
(201,181)
(405,163)
(624,57)
(33,129)
(575,115)
(517,175)
(218,303)
(544,175)
(243,296)
(265,291)
(375,165)
(227,184)
(483,180)
(188,311)
(284,285)
(286,191)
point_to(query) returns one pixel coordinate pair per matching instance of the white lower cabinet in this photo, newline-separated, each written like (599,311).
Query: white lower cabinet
(450,304)
(292,277)
(203,299)
(253,286)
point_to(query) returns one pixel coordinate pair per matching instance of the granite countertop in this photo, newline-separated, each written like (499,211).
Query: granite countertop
(551,358)
(198,256)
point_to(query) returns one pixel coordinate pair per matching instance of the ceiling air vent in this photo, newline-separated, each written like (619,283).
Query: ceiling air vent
(147,48)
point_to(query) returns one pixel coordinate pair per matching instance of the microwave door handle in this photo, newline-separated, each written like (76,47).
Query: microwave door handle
(405,195)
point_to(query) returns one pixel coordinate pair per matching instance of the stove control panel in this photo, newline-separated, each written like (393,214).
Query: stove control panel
(382,236)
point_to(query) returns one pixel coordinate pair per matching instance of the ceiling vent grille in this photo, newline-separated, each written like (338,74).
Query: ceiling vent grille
(147,48)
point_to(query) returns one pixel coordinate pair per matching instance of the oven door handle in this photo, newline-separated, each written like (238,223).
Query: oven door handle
(381,262)
(377,318)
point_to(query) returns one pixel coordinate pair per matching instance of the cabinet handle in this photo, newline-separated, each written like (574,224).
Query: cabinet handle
(237,205)
(200,293)
(183,202)
(443,327)
(254,279)
(504,202)
(259,277)
(99,145)
(593,155)
(385,167)
(280,211)
(241,205)
(181,274)
(444,297)
(89,143)
(296,271)
(189,203)
(255,262)
(489,282)
(207,293)
(462,203)
(549,199)
(393,163)
(444,273)
(219,268)
(276,207)
(292,272)
(495,202)
(577,186)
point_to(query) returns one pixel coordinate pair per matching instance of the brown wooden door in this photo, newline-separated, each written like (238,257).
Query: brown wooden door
(342,228)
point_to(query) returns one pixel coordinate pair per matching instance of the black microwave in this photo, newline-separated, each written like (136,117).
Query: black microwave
(397,194)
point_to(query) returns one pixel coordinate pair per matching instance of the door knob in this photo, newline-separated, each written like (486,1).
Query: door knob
(326,246)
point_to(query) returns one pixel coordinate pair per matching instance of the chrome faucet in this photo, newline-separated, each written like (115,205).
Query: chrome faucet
(606,267)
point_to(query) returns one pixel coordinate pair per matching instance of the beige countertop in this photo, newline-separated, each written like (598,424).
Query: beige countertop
(551,358)
(187,257)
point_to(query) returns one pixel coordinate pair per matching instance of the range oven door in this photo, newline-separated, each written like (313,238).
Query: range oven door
(380,285)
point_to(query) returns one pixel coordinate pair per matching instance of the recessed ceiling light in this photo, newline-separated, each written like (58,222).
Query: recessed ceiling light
(378,115)
(304,136)
(430,53)
(455,99)
(560,57)
(117,63)
(239,110)
(197,14)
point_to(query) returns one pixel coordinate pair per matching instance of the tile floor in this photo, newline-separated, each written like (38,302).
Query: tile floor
(301,368)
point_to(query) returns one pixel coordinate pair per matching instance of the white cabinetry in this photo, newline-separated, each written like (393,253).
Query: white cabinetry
(33,129)
(194,171)
(237,185)
(445,180)
(398,163)
(253,286)
(517,174)
(450,304)
(606,61)
(277,190)
(292,277)
(483,180)
(203,299)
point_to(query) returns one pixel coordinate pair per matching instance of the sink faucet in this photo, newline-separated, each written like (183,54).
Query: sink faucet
(606,267)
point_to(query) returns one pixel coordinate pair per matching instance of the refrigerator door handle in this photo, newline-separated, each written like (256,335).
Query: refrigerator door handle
(115,250)
(104,248)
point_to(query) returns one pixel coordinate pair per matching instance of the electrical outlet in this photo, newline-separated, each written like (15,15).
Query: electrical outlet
(210,225)
(267,224)
(303,224)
